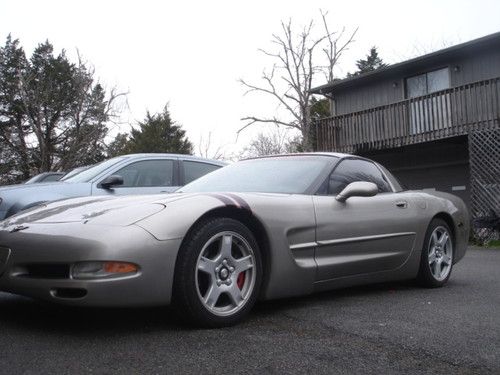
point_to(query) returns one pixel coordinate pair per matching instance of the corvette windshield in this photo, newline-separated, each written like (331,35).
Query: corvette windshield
(89,174)
(289,175)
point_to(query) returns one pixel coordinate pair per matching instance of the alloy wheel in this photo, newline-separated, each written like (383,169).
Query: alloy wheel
(225,273)
(440,254)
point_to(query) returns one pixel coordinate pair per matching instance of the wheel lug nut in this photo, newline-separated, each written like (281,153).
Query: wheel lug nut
(231,269)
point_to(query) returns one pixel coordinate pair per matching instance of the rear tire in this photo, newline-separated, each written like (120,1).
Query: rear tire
(436,261)
(218,274)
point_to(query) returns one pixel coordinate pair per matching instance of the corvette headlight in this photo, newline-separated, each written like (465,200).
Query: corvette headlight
(102,270)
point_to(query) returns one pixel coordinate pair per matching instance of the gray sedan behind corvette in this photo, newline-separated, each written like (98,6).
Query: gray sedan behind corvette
(263,228)
(123,175)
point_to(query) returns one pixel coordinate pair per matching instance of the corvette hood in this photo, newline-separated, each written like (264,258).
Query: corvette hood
(119,211)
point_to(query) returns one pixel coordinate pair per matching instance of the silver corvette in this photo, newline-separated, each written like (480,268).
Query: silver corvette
(263,228)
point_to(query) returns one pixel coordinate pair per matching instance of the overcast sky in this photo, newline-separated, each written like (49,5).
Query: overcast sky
(191,53)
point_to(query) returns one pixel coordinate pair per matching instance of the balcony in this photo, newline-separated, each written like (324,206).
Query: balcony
(447,113)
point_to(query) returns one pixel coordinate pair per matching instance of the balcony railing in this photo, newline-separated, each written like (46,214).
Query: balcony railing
(442,114)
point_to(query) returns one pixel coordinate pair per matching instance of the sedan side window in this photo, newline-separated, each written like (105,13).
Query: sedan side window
(147,173)
(194,170)
(352,170)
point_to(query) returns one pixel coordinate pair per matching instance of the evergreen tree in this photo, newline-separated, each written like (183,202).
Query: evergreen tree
(320,108)
(118,146)
(15,152)
(369,64)
(53,113)
(158,133)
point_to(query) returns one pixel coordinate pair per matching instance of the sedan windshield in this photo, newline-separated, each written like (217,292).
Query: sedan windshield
(287,174)
(74,172)
(89,174)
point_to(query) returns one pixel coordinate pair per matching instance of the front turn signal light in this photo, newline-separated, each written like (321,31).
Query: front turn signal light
(102,270)
(119,267)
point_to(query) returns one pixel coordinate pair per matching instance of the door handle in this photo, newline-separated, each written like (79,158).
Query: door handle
(402,204)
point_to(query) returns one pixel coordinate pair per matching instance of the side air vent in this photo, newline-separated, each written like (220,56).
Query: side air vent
(68,293)
(43,271)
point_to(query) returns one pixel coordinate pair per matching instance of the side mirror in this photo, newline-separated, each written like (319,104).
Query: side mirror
(357,189)
(111,181)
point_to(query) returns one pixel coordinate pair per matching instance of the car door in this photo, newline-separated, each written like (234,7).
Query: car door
(147,176)
(362,234)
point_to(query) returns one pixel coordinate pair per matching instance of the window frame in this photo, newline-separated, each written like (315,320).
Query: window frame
(175,172)
(182,173)
(325,182)
(447,67)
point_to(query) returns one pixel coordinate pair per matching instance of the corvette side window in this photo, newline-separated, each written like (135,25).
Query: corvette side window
(147,173)
(352,170)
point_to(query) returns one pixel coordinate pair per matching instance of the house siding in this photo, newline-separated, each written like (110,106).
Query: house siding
(476,68)
(484,64)
(369,96)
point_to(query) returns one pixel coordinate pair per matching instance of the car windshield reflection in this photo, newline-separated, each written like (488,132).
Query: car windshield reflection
(89,174)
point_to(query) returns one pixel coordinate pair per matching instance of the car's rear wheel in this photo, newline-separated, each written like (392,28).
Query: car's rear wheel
(218,273)
(436,261)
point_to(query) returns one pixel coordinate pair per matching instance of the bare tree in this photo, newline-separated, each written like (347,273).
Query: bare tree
(336,44)
(290,79)
(207,150)
(418,49)
(274,142)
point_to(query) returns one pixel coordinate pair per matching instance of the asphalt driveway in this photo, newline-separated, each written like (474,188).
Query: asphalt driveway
(390,328)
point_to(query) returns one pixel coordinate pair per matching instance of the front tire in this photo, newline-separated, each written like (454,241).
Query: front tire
(436,261)
(218,274)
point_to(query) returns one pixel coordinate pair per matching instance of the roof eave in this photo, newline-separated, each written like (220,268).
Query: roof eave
(408,64)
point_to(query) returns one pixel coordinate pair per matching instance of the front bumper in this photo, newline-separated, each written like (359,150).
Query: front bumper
(53,248)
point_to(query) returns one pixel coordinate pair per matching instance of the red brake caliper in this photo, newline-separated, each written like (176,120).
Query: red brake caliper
(241,280)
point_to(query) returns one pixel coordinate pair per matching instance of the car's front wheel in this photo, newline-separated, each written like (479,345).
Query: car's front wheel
(437,255)
(218,273)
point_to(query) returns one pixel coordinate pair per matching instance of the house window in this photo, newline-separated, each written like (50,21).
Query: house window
(428,114)
(427,83)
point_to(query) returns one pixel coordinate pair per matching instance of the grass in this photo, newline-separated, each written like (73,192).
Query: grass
(493,243)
